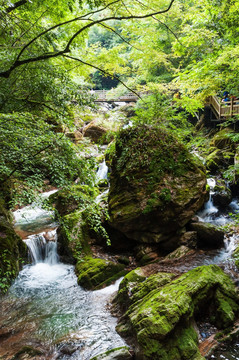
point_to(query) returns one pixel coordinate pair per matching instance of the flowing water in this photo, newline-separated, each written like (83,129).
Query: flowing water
(46,310)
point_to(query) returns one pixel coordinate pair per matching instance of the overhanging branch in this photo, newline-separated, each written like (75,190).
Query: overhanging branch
(46,56)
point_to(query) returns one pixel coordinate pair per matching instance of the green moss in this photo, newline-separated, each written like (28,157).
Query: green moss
(97,273)
(161,311)
(155,184)
(72,198)
(154,152)
(74,235)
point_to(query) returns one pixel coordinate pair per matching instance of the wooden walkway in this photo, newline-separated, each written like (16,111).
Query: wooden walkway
(103,96)
(223,109)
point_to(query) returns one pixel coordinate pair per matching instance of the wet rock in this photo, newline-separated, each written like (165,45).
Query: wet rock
(121,353)
(94,132)
(208,234)
(27,352)
(218,159)
(146,254)
(189,239)
(97,273)
(178,253)
(161,313)
(156,186)
(222,195)
(68,349)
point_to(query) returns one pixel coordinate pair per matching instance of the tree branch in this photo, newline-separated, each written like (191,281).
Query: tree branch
(121,37)
(19,62)
(15,6)
(105,73)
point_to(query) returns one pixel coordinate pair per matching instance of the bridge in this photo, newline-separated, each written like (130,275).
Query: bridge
(103,96)
(223,109)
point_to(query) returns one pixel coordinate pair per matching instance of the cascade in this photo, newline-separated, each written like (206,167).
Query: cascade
(42,249)
(46,307)
(102,171)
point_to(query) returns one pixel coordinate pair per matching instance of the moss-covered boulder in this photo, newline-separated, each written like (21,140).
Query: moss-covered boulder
(222,139)
(208,235)
(162,312)
(13,250)
(73,237)
(96,273)
(219,159)
(156,185)
(75,197)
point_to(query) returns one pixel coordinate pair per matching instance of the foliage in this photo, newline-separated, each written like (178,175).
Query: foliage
(160,110)
(33,152)
(7,271)
(94,218)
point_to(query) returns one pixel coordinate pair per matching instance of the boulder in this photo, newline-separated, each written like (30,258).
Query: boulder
(75,136)
(94,132)
(73,237)
(76,197)
(97,273)
(156,186)
(222,141)
(189,239)
(208,235)
(121,353)
(161,313)
(218,159)
(222,195)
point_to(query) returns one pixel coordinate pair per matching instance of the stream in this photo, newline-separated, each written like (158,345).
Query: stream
(45,309)
(47,314)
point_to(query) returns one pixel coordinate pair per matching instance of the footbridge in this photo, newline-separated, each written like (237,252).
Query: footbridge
(104,96)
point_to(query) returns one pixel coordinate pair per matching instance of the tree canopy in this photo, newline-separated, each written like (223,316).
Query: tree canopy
(53,52)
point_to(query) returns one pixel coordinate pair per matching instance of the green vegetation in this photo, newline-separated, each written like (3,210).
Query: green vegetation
(161,311)
(97,273)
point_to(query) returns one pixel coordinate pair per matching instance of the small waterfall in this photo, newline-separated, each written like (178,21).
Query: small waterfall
(43,248)
(209,209)
(102,171)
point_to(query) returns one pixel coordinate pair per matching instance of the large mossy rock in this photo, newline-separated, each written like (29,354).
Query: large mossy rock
(73,237)
(97,273)
(76,197)
(156,185)
(13,251)
(162,312)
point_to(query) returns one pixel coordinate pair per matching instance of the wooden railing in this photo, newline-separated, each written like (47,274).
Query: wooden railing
(224,109)
(104,96)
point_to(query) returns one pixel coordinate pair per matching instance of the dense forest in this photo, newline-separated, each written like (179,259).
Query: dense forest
(94,191)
